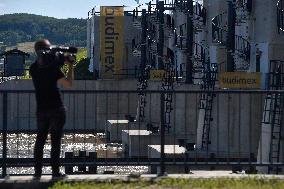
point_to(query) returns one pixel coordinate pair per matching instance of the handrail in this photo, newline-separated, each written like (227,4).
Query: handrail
(243,47)
(247,4)
(220,32)
(190,91)
(198,9)
(5,79)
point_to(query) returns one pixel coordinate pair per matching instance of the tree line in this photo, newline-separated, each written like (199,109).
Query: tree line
(17,28)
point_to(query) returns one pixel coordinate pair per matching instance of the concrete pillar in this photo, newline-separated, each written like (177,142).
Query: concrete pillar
(200,127)
(180,20)
(89,37)
(235,129)
(171,151)
(217,51)
(264,33)
(265,139)
(94,32)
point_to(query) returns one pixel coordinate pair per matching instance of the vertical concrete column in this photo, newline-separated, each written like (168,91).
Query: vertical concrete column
(265,139)
(92,40)
(200,127)
(217,52)
(180,19)
(264,34)
(89,35)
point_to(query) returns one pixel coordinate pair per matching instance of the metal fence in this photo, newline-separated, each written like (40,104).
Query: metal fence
(103,134)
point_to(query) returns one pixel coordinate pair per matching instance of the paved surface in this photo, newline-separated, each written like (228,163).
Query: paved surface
(26,182)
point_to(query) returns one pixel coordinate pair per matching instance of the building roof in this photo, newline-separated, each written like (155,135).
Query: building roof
(14,51)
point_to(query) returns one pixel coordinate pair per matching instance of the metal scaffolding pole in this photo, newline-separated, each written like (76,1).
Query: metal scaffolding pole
(143,42)
(160,47)
(189,43)
(231,37)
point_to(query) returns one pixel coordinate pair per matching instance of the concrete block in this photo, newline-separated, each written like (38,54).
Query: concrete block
(154,151)
(136,142)
(114,129)
(171,151)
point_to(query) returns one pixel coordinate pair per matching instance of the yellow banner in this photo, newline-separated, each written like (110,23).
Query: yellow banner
(240,80)
(111,41)
(157,74)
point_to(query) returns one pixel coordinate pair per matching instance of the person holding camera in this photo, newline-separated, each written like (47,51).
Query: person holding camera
(47,75)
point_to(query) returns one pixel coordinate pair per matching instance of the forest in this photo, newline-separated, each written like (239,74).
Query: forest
(17,28)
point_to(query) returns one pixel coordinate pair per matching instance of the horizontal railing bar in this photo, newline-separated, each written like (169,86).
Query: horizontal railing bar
(28,162)
(77,159)
(65,131)
(151,91)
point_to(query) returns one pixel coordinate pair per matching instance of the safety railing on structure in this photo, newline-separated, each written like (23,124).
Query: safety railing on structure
(102,135)
(220,35)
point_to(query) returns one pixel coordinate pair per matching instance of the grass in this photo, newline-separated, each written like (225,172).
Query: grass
(222,183)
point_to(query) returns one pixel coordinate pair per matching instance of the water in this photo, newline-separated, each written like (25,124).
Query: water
(22,145)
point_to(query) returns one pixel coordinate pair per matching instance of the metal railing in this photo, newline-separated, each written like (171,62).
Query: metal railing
(220,35)
(247,4)
(102,134)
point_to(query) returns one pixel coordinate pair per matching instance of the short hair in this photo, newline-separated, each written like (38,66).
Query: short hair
(41,44)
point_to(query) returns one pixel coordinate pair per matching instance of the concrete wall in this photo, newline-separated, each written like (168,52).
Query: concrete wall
(185,109)
(236,124)
(84,111)
(91,111)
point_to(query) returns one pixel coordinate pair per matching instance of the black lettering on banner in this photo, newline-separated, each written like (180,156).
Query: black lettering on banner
(109,47)
(109,13)
(109,40)
(109,68)
(239,81)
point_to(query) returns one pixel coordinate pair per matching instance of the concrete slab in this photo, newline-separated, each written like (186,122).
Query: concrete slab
(174,151)
(114,129)
(154,151)
(136,141)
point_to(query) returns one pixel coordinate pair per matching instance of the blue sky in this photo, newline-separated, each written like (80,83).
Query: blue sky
(58,8)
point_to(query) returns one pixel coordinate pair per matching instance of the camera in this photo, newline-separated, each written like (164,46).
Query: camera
(56,56)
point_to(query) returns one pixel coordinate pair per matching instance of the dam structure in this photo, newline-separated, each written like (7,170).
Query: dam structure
(178,85)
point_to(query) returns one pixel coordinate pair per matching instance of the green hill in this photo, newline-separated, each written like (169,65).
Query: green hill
(18,28)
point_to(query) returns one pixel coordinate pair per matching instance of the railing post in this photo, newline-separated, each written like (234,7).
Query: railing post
(4,111)
(162,117)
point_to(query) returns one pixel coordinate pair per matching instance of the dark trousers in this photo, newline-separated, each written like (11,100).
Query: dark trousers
(49,121)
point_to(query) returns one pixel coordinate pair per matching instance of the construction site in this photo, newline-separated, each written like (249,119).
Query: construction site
(179,85)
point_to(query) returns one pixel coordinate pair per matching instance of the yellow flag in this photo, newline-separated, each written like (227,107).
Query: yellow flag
(111,41)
